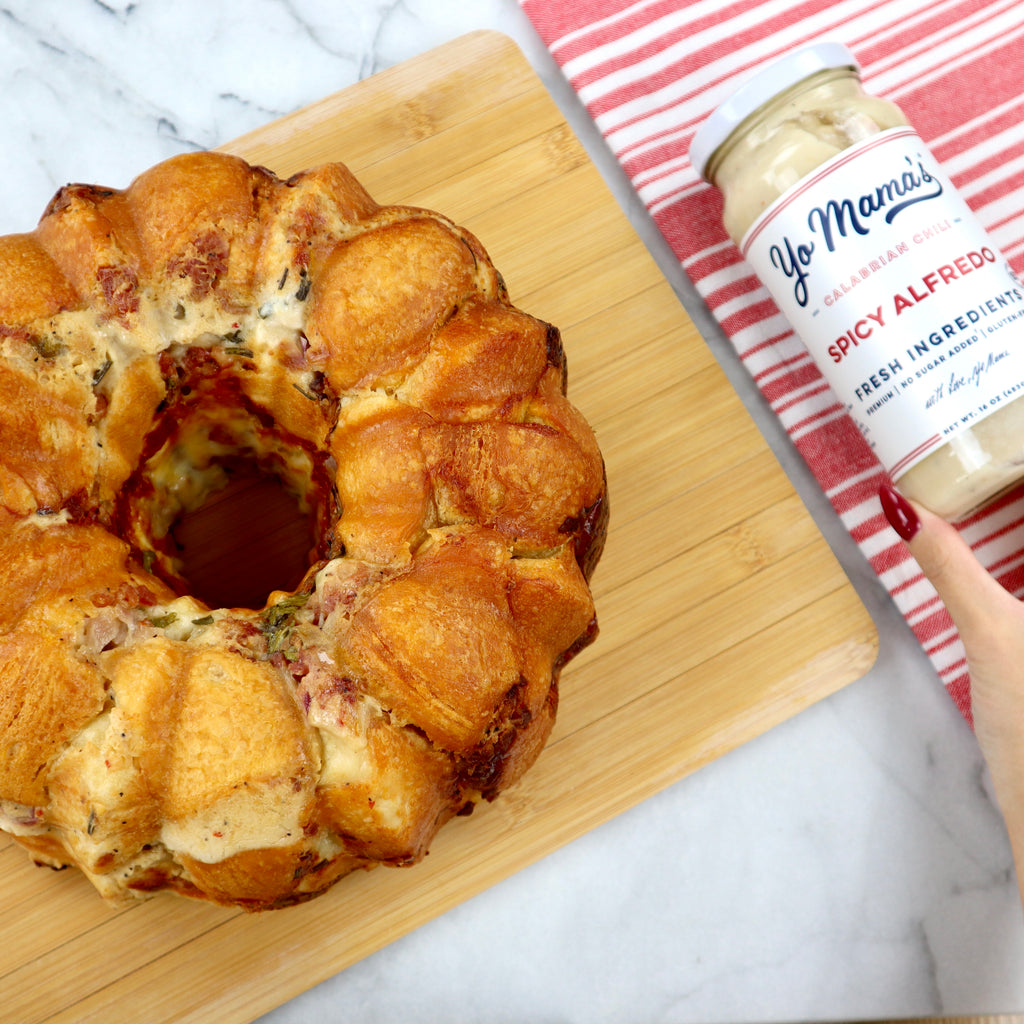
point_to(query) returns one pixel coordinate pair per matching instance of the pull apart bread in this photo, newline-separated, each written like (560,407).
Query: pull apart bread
(367,356)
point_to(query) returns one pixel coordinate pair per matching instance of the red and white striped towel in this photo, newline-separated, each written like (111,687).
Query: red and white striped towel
(650,71)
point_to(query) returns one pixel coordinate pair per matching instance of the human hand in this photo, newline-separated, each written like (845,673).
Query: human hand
(990,621)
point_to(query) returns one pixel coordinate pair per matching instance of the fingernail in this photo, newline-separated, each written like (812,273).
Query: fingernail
(900,513)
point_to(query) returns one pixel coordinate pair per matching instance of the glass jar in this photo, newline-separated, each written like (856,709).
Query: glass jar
(881,268)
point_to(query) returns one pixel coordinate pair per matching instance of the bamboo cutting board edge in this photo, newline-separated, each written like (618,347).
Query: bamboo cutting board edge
(644,706)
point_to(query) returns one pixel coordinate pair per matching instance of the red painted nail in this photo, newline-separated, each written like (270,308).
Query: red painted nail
(900,513)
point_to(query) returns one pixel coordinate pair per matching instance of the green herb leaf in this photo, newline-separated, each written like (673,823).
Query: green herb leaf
(48,347)
(278,620)
(102,371)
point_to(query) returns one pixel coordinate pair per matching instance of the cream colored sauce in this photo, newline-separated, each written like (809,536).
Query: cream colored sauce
(237,823)
(22,820)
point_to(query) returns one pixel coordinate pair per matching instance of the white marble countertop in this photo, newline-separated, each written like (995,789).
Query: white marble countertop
(847,865)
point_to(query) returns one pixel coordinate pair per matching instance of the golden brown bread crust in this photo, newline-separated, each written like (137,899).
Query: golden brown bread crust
(368,356)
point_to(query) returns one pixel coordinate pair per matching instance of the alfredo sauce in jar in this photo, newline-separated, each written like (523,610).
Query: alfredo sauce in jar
(910,312)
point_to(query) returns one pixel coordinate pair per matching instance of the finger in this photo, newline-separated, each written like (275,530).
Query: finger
(973,597)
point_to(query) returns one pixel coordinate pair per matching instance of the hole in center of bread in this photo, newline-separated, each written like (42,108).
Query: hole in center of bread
(244,541)
(226,505)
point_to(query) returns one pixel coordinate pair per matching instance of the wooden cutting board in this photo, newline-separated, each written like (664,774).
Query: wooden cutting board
(722,609)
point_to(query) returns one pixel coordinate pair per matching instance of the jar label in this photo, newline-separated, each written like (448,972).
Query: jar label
(912,315)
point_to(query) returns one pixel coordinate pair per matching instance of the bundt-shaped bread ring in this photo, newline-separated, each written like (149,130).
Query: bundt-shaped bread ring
(367,356)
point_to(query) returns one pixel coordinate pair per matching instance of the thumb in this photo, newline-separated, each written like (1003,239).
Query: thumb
(975,600)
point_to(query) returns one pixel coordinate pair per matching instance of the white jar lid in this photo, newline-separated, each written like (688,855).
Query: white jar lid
(758,90)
